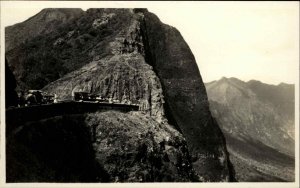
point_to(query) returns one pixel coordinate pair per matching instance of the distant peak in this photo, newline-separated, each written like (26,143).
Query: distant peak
(223,79)
(254,81)
(140,10)
(285,84)
(61,9)
(66,11)
(230,79)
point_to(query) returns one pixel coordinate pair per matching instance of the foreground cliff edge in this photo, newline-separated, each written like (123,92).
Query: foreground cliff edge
(127,55)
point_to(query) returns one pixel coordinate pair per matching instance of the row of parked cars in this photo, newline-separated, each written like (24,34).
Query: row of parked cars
(87,97)
(38,97)
(34,97)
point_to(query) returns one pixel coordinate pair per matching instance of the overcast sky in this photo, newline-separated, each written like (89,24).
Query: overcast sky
(246,40)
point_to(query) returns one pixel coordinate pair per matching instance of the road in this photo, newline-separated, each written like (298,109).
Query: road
(19,116)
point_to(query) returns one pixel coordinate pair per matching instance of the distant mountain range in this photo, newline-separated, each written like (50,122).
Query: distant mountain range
(257,120)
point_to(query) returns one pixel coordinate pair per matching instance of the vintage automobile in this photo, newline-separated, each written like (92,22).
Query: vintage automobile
(34,97)
(81,96)
(85,96)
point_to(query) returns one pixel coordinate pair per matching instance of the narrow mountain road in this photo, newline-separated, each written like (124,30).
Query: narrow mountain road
(19,116)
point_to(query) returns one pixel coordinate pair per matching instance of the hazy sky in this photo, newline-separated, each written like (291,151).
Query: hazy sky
(247,40)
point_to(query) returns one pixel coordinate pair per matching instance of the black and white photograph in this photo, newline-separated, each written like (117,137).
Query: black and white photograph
(98,93)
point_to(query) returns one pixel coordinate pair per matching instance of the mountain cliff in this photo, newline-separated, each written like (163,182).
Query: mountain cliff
(258,122)
(98,147)
(129,56)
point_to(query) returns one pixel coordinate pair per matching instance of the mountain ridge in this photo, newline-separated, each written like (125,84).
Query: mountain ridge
(252,114)
(251,80)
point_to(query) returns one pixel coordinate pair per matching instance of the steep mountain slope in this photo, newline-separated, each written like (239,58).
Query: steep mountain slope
(186,99)
(98,147)
(258,122)
(281,96)
(67,47)
(42,23)
(128,55)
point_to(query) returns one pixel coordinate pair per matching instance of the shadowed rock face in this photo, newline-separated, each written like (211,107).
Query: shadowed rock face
(98,147)
(186,98)
(129,55)
(10,86)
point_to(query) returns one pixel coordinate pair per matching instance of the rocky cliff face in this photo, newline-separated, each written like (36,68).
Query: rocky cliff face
(131,57)
(123,76)
(258,122)
(186,99)
(98,147)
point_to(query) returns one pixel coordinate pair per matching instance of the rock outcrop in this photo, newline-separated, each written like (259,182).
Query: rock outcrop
(186,99)
(129,56)
(98,147)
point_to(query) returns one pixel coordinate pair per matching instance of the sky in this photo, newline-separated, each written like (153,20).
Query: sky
(246,40)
